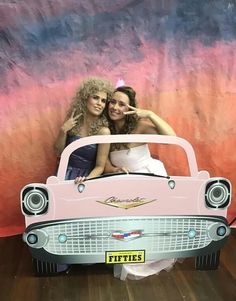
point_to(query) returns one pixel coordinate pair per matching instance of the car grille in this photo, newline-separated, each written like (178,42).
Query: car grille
(159,234)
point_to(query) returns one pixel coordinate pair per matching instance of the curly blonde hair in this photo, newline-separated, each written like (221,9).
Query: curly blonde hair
(88,88)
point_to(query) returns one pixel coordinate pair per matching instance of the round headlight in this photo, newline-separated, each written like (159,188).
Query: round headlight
(221,230)
(37,238)
(217,230)
(217,194)
(35,201)
(32,239)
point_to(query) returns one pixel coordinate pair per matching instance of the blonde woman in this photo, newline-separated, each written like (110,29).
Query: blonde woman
(86,117)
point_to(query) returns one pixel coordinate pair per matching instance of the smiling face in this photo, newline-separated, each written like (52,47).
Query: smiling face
(118,105)
(96,103)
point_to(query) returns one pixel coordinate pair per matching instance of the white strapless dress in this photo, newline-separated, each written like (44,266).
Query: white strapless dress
(138,159)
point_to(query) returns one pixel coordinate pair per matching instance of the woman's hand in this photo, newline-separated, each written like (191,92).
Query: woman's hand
(160,126)
(79,180)
(71,122)
(139,112)
(61,139)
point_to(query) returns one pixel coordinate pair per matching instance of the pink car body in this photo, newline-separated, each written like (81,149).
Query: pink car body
(121,218)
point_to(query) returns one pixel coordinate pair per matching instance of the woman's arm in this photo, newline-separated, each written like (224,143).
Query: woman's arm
(60,142)
(102,155)
(109,168)
(61,138)
(159,126)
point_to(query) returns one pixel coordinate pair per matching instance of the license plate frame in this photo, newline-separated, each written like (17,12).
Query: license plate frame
(125,256)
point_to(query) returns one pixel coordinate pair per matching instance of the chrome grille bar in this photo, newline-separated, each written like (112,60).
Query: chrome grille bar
(159,234)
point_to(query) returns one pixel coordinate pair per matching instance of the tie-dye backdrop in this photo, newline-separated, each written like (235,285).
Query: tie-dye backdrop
(179,56)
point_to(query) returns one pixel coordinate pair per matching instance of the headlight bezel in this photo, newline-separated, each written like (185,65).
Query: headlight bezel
(218,193)
(34,200)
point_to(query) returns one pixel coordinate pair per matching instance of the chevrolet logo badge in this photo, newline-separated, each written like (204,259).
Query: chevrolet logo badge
(125,203)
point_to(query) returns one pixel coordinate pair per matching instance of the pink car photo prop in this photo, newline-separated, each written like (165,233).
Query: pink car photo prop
(126,218)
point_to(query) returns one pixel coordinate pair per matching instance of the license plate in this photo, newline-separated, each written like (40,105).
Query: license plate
(137,256)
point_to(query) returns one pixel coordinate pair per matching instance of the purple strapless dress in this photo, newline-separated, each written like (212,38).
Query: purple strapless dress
(82,161)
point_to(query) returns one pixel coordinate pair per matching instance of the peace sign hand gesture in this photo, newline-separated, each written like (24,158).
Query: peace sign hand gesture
(160,125)
(139,112)
(71,122)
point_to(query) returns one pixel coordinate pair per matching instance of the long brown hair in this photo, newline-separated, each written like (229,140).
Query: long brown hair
(130,120)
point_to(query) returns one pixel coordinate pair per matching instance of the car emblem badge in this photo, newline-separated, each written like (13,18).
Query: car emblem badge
(125,203)
(126,236)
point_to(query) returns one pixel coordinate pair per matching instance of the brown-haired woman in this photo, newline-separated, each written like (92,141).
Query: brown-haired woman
(125,118)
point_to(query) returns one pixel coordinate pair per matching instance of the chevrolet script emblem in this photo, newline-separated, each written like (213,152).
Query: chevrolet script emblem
(125,236)
(125,203)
